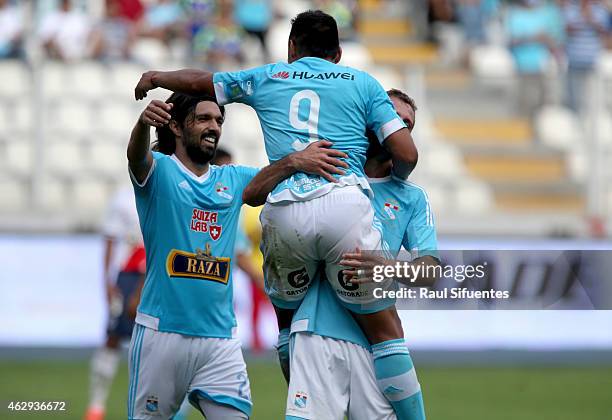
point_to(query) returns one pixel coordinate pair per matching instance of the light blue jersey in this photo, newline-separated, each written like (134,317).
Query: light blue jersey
(189,228)
(308,100)
(404,211)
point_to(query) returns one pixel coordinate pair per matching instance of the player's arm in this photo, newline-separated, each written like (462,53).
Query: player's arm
(109,286)
(246,264)
(140,158)
(189,81)
(403,152)
(316,159)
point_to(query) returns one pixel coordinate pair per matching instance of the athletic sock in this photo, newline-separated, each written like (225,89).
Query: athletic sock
(103,368)
(282,347)
(397,379)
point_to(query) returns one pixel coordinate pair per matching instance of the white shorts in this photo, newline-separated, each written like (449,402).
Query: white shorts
(331,379)
(299,236)
(164,367)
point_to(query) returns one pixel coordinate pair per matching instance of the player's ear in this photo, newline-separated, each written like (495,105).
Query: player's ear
(338,56)
(174,127)
(291,51)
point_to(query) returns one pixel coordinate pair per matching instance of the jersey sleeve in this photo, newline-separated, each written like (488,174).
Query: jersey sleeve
(420,235)
(381,117)
(245,174)
(240,86)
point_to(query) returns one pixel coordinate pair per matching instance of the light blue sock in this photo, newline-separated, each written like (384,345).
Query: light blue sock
(397,379)
(282,347)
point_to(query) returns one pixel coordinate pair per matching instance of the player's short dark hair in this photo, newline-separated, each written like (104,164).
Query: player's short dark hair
(402,97)
(221,154)
(315,34)
(182,110)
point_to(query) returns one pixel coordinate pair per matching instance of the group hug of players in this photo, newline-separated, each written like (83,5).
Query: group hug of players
(341,152)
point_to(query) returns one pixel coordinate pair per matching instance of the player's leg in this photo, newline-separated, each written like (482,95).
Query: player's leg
(319,386)
(290,264)
(159,373)
(287,245)
(220,376)
(377,317)
(216,411)
(366,400)
(105,360)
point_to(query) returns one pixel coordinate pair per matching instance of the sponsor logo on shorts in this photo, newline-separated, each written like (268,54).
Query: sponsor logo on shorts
(298,278)
(301,399)
(206,221)
(199,265)
(152,405)
(346,283)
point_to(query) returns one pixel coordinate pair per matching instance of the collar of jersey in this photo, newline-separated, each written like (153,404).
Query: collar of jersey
(186,170)
(312,58)
(379,180)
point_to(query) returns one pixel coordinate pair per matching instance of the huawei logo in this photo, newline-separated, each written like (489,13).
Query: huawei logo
(281,75)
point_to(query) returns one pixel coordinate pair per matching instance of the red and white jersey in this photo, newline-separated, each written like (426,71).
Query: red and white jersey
(122,227)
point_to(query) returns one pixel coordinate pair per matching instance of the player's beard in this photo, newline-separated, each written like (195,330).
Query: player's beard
(198,154)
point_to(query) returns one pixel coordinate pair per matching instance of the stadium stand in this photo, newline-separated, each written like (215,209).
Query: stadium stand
(64,126)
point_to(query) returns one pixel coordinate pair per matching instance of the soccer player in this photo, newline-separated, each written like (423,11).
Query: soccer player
(311,219)
(332,369)
(183,342)
(123,248)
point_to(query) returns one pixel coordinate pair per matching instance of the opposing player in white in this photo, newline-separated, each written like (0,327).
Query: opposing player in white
(183,342)
(332,364)
(124,268)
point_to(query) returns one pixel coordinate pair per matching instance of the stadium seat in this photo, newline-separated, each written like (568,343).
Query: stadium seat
(355,55)
(492,62)
(558,127)
(64,158)
(387,77)
(603,128)
(241,127)
(88,79)
(70,116)
(472,196)
(15,78)
(604,65)
(443,161)
(53,194)
(150,51)
(14,195)
(123,79)
(55,78)
(577,163)
(90,194)
(115,116)
(19,157)
(107,159)
(277,37)
(22,115)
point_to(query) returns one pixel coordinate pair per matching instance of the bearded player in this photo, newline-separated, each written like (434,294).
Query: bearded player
(184,342)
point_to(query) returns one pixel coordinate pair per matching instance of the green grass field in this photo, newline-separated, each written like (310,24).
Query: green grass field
(450,393)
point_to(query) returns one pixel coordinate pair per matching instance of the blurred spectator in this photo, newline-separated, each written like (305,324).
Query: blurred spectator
(471,16)
(586,23)
(534,30)
(343,12)
(65,33)
(114,36)
(11,28)
(163,20)
(255,17)
(219,43)
(131,9)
